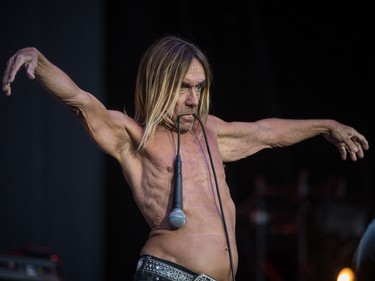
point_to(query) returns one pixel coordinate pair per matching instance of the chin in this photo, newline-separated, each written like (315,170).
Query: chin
(186,127)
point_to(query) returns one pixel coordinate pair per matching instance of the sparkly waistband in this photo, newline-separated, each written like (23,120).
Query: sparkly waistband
(168,270)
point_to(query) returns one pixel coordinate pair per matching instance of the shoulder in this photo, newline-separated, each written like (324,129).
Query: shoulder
(220,126)
(215,123)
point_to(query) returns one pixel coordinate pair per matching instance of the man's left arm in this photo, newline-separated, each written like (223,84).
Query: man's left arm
(237,140)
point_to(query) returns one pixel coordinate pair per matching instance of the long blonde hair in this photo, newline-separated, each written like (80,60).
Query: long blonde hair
(160,74)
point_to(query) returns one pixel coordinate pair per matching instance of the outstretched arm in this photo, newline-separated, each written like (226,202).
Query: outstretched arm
(107,128)
(50,77)
(241,139)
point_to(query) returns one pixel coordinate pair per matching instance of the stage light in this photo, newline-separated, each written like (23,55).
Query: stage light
(346,274)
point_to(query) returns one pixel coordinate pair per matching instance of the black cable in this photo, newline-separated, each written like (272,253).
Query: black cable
(178,135)
(219,197)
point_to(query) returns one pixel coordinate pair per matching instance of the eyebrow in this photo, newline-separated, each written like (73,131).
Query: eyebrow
(188,85)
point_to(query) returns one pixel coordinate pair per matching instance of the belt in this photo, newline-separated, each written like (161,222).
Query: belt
(157,266)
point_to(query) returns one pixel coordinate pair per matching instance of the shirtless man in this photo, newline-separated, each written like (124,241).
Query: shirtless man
(173,83)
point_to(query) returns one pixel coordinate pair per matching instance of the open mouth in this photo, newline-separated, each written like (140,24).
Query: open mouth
(187,117)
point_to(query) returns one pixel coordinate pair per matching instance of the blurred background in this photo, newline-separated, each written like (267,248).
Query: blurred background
(65,208)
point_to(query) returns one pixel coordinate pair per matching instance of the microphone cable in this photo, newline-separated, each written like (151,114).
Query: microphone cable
(218,195)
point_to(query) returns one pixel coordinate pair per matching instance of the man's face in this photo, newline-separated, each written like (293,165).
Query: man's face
(189,96)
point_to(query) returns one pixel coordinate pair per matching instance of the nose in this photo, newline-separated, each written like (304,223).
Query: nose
(193,97)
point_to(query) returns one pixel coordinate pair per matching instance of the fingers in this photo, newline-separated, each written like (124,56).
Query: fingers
(342,150)
(8,76)
(354,148)
(11,69)
(353,156)
(360,151)
(357,145)
(6,85)
(24,57)
(6,80)
(362,142)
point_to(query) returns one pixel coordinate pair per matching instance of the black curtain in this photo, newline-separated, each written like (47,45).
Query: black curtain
(52,198)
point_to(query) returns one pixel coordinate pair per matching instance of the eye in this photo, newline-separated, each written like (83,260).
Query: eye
(199,88)
(184,87)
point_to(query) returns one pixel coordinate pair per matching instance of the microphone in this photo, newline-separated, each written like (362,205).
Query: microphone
(177,217)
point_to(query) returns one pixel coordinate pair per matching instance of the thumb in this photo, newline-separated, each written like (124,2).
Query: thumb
(30,69)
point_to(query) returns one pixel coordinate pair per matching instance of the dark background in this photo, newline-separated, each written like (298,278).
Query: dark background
(269,59)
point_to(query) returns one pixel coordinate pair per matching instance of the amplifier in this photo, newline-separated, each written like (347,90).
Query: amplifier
(19,268)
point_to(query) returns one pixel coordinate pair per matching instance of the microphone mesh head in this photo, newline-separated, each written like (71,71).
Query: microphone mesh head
(177,218)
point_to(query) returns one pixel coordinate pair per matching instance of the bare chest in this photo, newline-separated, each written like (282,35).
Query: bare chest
(198,180)
(198,158)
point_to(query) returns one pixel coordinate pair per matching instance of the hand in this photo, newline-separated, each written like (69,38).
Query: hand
(27,58)
(347,140)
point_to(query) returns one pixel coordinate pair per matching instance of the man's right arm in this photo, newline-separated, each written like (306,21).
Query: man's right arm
(107,128)
(54,80)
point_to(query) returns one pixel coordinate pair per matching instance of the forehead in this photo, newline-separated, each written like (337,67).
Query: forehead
(195,72)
